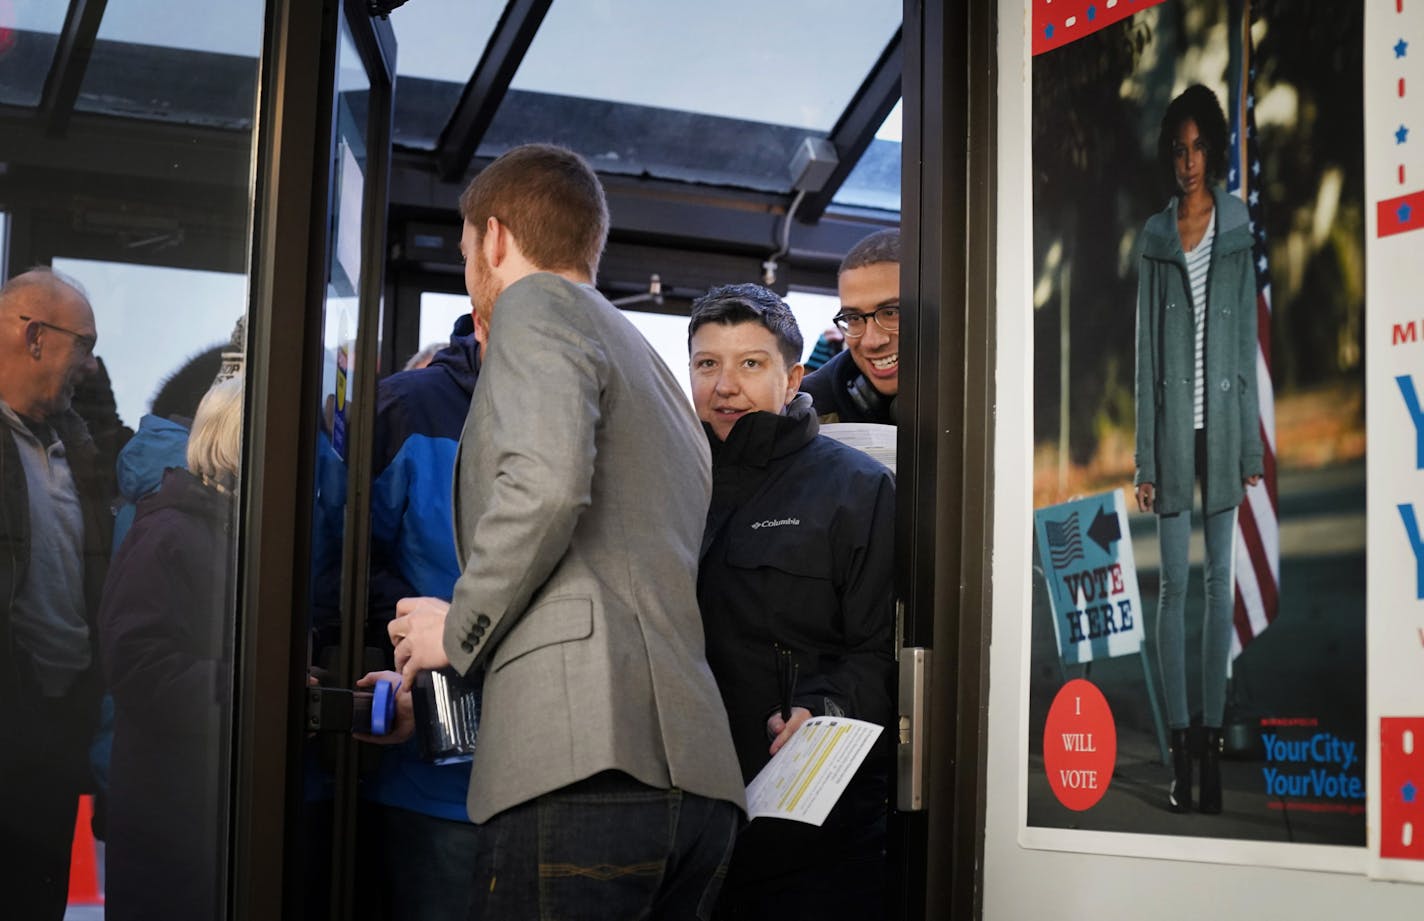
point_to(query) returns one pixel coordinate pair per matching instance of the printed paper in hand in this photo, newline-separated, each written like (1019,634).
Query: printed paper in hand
(810,772)
(873,438)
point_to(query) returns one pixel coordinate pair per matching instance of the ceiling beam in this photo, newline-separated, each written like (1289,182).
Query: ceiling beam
(857,125)
(691,236)
(488,84)
(71,60)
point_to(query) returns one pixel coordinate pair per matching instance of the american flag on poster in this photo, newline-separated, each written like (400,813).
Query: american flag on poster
(1258,545)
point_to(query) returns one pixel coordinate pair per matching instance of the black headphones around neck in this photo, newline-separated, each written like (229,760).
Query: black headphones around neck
(870,401)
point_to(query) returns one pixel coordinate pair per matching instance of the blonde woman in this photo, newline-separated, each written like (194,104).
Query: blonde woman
(166,634)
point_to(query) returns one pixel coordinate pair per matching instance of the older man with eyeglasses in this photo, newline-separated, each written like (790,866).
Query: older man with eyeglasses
(53,556)
(860,384)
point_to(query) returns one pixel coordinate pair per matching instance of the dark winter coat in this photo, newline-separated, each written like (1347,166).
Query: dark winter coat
(166,629)
(94,483)
(799,553)
(842,394)
(1166,343)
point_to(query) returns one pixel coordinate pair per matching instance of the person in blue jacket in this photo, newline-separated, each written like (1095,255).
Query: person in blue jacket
(428,844)
(1197,411)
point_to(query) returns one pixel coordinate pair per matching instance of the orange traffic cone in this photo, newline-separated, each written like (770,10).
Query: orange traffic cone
(83,861)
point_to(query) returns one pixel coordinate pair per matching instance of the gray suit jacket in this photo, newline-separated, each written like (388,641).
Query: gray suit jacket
(580,496)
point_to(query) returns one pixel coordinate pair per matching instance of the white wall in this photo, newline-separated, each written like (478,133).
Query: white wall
(1020,883)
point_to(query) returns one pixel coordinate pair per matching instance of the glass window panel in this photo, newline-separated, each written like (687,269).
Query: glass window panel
(439,43)
(218,26)
(337,414)
(131,690)
(813,312)
(667,333)
(438,313)
(147,325)
(199,68)
(29,33)
(875,180)
(685,95)
(794,62)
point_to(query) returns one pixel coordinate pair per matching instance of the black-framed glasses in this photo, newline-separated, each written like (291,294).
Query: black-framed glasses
(86,343)
(852,322)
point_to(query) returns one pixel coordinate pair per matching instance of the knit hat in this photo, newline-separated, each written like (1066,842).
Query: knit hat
(235,354)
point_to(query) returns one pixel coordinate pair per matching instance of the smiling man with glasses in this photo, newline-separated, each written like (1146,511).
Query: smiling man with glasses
(861,383)
(53,556)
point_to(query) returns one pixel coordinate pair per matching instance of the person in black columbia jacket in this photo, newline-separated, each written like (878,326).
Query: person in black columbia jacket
(797,555)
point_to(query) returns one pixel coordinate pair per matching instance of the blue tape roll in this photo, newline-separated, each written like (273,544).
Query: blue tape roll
(383,708)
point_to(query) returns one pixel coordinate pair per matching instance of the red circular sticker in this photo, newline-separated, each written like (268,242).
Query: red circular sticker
(1079,745)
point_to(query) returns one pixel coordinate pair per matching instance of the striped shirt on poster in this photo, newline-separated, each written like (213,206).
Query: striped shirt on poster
(1198,261)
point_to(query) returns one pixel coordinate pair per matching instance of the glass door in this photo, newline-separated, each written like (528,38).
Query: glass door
(340,649)
(127,137)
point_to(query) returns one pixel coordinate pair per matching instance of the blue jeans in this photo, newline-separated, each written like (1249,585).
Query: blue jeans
(1174,533)
(607,847)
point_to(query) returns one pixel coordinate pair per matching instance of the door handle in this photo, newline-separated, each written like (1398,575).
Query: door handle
(912,745)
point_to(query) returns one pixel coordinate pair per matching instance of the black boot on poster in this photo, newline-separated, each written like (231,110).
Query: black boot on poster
(1179,794)
(1210,799)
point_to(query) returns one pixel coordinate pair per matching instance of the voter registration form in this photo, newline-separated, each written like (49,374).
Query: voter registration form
(810,772)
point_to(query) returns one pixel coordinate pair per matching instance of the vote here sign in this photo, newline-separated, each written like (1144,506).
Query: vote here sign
(1088,566)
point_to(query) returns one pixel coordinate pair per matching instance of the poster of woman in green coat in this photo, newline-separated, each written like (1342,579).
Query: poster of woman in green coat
(1223,623)
(1197,413)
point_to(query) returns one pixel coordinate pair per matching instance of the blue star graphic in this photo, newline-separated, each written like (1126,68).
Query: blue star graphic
(1402,135)
(1255,196)
(1261,263)
(1401,48)
(1404,213)
(1251,101)
(1256,168)
(1408,792)
(1092,13)
(1048,31)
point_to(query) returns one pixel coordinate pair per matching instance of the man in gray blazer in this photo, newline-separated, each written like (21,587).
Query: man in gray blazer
(605,776)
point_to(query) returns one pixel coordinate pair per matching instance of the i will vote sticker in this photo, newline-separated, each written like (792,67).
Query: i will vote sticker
(1079,745)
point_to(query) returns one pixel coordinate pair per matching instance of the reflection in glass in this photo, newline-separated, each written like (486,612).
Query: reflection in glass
(152,320)
(114,786)
(340,324)
(198,68)
(29,34)
(166,630)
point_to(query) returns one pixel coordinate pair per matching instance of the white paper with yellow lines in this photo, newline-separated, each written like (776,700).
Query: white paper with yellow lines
(811,771)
